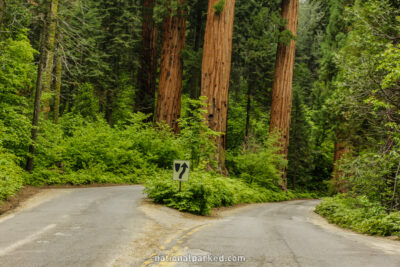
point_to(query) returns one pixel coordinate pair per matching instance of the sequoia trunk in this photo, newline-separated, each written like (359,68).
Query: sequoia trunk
(281,106)
(342,149)
(145,99)
(171,71)
(216,68)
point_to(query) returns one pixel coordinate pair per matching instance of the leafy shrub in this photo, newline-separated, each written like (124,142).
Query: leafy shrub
(10,175)
(196,137)
(17,75)
(206,190)
(373,175)
(261,165)
(78,151)
(360,214)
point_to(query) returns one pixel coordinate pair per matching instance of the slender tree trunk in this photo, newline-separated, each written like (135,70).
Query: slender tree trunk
(216,69)
(45,46)
(145,98)
(2,9)
(248,108)
(51,35)
(170,87)
(57,95)
(282,88)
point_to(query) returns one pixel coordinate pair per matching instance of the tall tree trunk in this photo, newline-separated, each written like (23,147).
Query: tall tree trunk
(282,88)
(145,98)
(2,9)
(45,47)
(195,79)
(170,87)
(342,149)
(51,37)
(216,69)
(57,90)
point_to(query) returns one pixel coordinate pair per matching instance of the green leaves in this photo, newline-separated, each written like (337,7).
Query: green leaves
(219,7)
(361,215)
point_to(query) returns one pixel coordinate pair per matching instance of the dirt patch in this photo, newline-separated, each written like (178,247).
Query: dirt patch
(14,202)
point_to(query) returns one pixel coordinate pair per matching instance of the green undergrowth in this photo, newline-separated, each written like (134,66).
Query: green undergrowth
(361,215)
(10,176)
(207,190)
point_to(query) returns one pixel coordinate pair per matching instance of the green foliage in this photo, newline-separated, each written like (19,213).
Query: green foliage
(373,176)
(361,215)
(80,152)
(196,137)
(85,102)
(219,7)
(10,175)
(260,164)
(206,190)
(17,75)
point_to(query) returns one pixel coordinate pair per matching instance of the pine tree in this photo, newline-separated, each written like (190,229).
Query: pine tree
(58,74)
(48,75)
(47,45)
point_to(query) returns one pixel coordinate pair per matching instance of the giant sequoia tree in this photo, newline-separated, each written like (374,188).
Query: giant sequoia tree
(145,95)
(281,106)
(216,68)
(170,87)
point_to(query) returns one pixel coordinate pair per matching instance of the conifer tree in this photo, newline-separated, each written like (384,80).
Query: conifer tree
(171,70)
(282,94)
(216,69)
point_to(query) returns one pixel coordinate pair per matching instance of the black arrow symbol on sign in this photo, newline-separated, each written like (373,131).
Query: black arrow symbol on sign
(184,167)
(177,167)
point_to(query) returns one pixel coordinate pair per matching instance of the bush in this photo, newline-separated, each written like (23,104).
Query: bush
(83,152)
(360,214)
(206,190)
(259,164)
(10,176)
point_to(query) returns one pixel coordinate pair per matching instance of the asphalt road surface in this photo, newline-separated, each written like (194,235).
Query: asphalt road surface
(115,226)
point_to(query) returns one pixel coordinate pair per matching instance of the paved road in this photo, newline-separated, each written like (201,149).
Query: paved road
(97,226)
(79,227)
(278,234)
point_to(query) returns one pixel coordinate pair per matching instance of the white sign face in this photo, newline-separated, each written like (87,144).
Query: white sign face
(181,170)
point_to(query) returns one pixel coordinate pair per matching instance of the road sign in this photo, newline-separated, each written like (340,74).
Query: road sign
(181,170)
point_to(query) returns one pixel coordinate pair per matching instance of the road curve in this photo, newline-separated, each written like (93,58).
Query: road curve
(113,226)
(74,227)
(283,234)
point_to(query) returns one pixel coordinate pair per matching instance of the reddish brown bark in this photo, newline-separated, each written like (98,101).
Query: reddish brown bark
(145,98)
(342,149)
(171,71)
(216,69)
(282,94)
